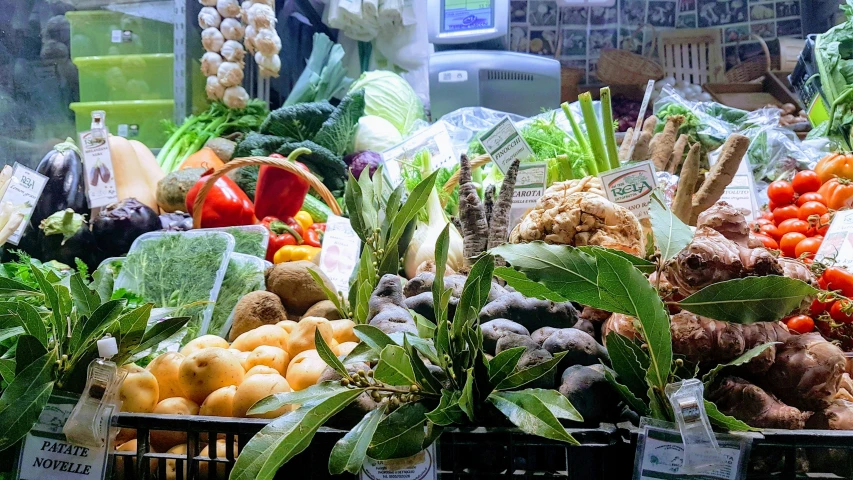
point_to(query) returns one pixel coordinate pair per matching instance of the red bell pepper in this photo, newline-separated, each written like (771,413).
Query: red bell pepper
(314,235)
(225,205)
(280,193)
(283,232)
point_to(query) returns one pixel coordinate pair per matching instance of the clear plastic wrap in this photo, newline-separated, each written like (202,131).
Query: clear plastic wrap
(245,274)
(248,239)
(707,122)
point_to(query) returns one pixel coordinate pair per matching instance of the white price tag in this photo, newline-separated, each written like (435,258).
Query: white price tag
(660,455)
(24,191)
(418,467)
(504,144)
(529,187)
(435,139)
(340,252)
(47,454)
(631,186)
(838,241)
(98,166)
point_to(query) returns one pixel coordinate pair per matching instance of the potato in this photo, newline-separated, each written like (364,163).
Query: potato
(139,391)
(325,309)
(287,325)
(219,403)
(165,369)
(305,369)
(256,309)
(218,467)
(209,369)
(302,337)
(270,356)
(260,370)
(343,330)
(295,286)
(120,467)
(204,341)
(264,335)
(345,348)
(257,387)
(172,465)
(163,440)
(242,356)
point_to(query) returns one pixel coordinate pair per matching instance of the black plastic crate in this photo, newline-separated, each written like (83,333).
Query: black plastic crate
(477,453)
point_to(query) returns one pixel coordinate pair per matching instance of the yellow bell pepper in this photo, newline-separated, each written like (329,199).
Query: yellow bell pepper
(292,253)
(304,220)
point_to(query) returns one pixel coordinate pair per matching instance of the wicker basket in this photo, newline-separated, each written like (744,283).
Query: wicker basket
(282,163)
(621,67)
(476,162)
(751,69)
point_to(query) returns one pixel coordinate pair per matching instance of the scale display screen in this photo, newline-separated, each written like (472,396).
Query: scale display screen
(467,15)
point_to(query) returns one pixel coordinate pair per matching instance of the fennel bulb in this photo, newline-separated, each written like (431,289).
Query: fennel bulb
(422,247)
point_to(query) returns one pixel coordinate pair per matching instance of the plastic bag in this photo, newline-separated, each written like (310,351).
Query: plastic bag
(708,123)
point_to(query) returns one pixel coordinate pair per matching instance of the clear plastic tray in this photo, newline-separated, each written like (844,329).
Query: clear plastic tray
(179,269)
(246,243)
(245,274)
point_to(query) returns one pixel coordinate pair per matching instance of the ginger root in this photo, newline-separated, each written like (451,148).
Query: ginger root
(749,403)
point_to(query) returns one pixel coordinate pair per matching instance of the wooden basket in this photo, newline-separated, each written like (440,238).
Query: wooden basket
(621,67)
(282,163)
(752,69)
(692,55)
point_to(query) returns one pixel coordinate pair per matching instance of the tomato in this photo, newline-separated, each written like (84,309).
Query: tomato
(801,324)
(781,192)
(838,193)
(793,225)
(834,165)
(771,231)
(808,247)
(817,307)
(837,278)
(784,213)
(823,224)
(789,242)
(822,283)
(767,241)
(767,215)
(811,208)
(771,206)
(836,312)
(762,221)
(805,182)
(810,197)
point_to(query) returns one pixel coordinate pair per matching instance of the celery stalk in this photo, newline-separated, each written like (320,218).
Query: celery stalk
(596,143)
(589,159)
(609,135)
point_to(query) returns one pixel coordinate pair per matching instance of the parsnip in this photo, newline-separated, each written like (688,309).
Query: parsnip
(682,205)
(721,174)
(665,141)
(677,153)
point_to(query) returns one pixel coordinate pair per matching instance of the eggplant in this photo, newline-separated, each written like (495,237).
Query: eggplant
(176,221)
(65,236)
(120,223)
(66,183)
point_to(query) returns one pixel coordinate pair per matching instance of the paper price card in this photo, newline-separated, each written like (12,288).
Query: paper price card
(631,186)
(23,193)
(838,242)
(98,165)
(660,455)
(504,144)
(340,252)
(435,139)
(47,454)
(418,467)
(529,187)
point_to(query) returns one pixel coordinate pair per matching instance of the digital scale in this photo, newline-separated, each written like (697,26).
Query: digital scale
(471,66)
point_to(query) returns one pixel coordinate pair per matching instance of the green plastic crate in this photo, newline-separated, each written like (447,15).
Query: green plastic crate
(128,77)
(136,120)
(101,32)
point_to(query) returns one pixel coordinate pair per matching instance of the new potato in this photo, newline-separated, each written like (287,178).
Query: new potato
(202,342)
(119,470)
(219,403)
(257,387)
(219,468)
(305,369)
(163,440)
(343,330)
(172,465)
(139,392)
(345,348)
(273,357)
(264,335)
(260,370)
(207,370)
(287,325)
(302,336)
(165,369)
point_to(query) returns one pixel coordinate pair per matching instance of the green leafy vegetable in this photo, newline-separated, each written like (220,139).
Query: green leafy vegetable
(324,75)
(750,299)
(244,274)
(337,132)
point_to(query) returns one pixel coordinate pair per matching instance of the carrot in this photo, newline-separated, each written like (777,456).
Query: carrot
(682,204)
(499,225)
(472,215)
(204,158)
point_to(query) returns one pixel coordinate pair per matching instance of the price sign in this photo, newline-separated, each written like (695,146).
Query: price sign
(631,186)
(504,144)
(435,139)
(339,255)
(417,467)
(838,242)
(660,454)
(529,187)
(98,166)
(23,193)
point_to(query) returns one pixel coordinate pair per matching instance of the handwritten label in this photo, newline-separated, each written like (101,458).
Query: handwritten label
(98,165)
(660,455)
(418,467)
(504,144)
(340,252)
(24,190)
(529,187)
(838,241)
(47,454)
(631,186)
(435,139)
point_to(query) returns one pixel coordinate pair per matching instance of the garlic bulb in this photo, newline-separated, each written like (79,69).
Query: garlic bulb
(232,29)
(230,74)
(267,42)
(208,3)
(244,9)
(268,65)
(261,16)
(208,17)
(235,97)
(249,39)
(210,63)
(213,88)
(212,39)
(269,3)
(232,51)
(228,8)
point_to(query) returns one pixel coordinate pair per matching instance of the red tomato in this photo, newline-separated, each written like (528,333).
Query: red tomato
(808,247)
(771,205)
(836,313)
(811,208)
(781,192)
(767,214)
(810,197)
(789,242)
(793,225)
(784,213)
(817,307)
(762,221)
(767,241)
(837,278)
(822,283)
(771,231)
(806,181)
(801,324)
(823,224)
